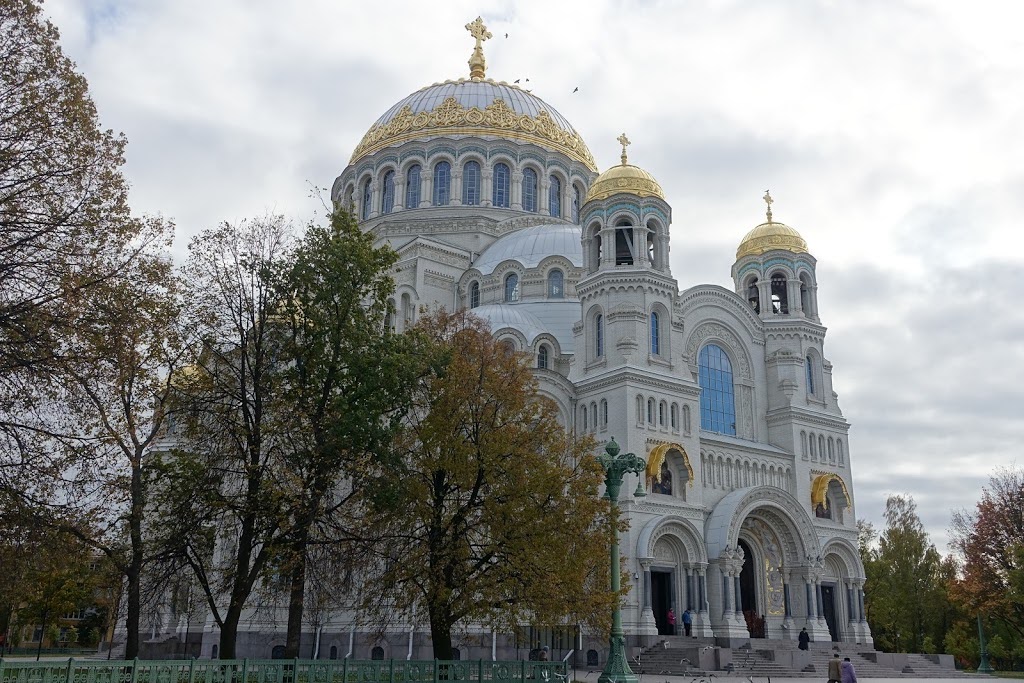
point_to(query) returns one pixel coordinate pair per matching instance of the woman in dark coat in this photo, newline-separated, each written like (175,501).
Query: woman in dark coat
(804,639)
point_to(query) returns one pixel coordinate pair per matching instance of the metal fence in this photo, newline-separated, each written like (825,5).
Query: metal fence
(282,671)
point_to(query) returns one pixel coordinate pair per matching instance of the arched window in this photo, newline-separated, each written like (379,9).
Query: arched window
(831,450)
(442,183)
(754,295)
(674,414)
(474,294)
(805,295)
(277,652)
(650,411)
(377,653)
(456,654)
(542,357)
(780,299)
(501,185)
(599,335)
(412,187)
(367,199)
(839,451)
(334,652)
(593,414)
(810,375)
(604,412)
(555,196)
(529,190)
(214,653)
(511,287)
(625,248)
(471,183)
(595,247)
(717,404)
(387,198)
(814,447)
(556,284)
(577,201)
(686,419)
(661,413)
(407,311)
(655,335)
(639,409)
(583,416)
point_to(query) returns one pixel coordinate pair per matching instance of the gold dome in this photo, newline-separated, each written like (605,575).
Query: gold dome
(625,178)
(769,236)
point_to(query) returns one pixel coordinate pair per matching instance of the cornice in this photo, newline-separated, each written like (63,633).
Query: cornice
(796,415)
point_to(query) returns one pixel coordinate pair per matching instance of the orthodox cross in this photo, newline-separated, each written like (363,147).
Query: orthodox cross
(623,140)
(768,200)
(477,64)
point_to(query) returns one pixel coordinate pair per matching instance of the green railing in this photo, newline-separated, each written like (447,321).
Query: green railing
(282,671)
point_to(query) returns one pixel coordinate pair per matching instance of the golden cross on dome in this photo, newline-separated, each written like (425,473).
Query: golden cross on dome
(623,140)
(768,200)
(477,64)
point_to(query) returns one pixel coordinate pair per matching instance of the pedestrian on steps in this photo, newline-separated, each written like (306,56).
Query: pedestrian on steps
(804,639)
(835,671)
(849,675)
(671,619)
(687,623)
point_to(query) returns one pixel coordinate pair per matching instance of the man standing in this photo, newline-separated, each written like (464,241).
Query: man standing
(835,673)
(687,623)
(804,638)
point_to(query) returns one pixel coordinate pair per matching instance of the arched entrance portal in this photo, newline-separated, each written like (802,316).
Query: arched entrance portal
(748,592)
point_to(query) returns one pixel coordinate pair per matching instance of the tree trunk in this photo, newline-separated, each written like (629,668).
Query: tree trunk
(134,573)
(441,633)
(131,648)
(39,650)
(229,632)
(296,601)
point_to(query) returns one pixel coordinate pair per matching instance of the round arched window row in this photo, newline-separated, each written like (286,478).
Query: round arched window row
(442,183)
(501,195)
(555,196)
(412,187)
(471,183)
(387,198)
(529,190)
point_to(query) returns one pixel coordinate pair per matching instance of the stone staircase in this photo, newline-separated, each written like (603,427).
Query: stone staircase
(750,662)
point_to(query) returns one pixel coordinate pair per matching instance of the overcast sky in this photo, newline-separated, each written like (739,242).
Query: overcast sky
(891,135)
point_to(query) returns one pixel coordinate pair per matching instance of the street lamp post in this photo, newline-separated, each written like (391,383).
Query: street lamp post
(615,466)
(983,666)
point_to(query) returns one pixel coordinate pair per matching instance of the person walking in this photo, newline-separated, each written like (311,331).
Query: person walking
(671,619)
(849,674)
(804,639)
(687,623)
(835,671)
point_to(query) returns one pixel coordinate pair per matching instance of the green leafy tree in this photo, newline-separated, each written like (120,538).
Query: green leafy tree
(498,517)
(344,389)
(904,573)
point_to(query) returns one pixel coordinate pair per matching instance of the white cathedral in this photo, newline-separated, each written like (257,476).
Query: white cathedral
(494,203)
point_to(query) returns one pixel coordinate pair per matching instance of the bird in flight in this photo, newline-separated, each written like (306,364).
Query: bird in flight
(576,89)
(506,35)
(516,81)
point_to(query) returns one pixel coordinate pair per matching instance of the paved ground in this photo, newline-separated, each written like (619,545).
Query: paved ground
(763,679)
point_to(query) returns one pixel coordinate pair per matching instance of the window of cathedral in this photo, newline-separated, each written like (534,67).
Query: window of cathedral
(686,419)
(471,184)
(377,653)
(593,415)
(348,199)
(639,410)
(511,287)
(529,190)
(542,357)
(577,202)
(650,411)
(809,362)
(556,284)
(555,196)
(803,445)
(839,452)
(442,183)
(407,311)
(717,402)
(831,451)
(599,336)
(821,448)
(592,658)
(502,179)
(662,409)
(814,447)
(625,248)
(655,335)
(674,415)
(604,414)
(334,652)
(387,197)
(367,199)
(474,294)
(583,417)
(754,295)
(780,299)
(412,187)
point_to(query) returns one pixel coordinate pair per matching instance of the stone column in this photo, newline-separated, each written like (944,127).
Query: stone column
(702,590)
(786,605)
(399,192)
(860,600)
(795,304)
(426,187)
(764,288)
(817,592)
(851,609)
(739,595)
(727,593)
(487,187)
(811,609)
(374,199)
(608,247)
(456,199)
(516,200)
(690,602)
(543,187)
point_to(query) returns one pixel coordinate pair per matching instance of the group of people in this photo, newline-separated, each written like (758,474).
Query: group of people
(670,617)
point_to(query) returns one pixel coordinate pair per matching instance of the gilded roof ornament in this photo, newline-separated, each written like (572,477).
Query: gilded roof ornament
(768,200)
(477,63)
(624,141)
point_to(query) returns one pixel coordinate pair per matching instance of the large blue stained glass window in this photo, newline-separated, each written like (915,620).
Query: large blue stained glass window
(501,185)
(555,197)
(412,187)
(387,198)
(471,183)
(577,201)
(717,402)
(367,199)
(655,335)
(529,190)
(442,183)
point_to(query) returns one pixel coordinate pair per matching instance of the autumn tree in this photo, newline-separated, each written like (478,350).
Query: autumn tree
(498,517)
(990,540)
(220,511)
(344,388)
(906,595)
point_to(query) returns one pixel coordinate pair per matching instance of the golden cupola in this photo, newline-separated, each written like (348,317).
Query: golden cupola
(771,236)
(625,179)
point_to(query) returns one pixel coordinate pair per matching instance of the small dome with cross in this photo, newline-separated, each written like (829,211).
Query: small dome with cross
(770,236)
(625,179)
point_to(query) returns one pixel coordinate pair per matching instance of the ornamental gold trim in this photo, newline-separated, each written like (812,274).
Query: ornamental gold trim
(819,490)
(657,457)
(497,119)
